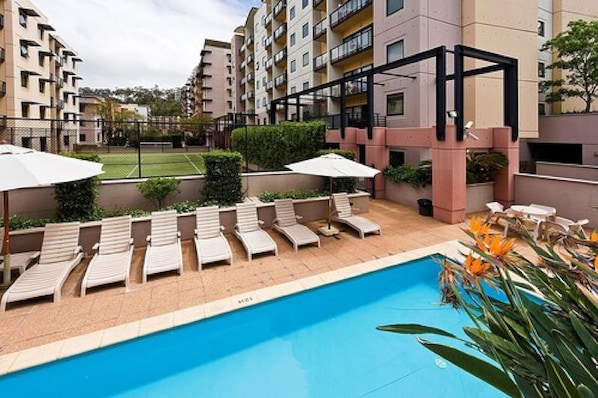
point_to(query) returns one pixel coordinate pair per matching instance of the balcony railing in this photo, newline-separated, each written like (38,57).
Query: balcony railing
(317,3)
(250,77)
(320,61)
(249,60)
(249,41)
(280,80)
(280,31)
(269,85)
(268,42)
(347,10)
(268,63)
(320,28)
(250,95)
(352,87)
(279,7)
(352,46)
(280,56)
(268,20)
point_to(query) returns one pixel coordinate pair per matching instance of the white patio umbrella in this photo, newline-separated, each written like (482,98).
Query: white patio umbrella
(25,168)
(333,166)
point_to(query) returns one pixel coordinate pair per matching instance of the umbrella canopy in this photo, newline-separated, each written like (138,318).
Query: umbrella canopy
(25,168)
(333,166)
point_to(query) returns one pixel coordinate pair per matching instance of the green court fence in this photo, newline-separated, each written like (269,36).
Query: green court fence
(128,149)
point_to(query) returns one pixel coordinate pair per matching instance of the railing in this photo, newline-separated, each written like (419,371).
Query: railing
(249,41)
(249,60)
(268,64)
(352,87)
(269,85)
(280,31)
(250,77)
(279,7)
(317,3)
(268,20)
(320,61)
(352,46)
(250,95)
(319,28)
(280,80)
(280,56)
(347,10)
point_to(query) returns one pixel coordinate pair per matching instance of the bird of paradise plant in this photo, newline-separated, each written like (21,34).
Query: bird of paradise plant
(536,319)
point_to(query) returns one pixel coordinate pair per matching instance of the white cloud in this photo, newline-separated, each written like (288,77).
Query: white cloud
(127,43)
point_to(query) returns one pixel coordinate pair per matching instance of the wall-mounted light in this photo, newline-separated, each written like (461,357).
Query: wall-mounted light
(468,133)
(452,114)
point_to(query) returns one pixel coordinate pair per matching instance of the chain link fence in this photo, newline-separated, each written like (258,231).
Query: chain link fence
(128,149)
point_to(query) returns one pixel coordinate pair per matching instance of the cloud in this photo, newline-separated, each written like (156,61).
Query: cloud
(128,43)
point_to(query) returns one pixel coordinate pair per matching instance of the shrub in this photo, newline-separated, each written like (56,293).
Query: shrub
(17,222)
(272,196)
(416,176)
(76,200)
(271,147)
(187,206)
(223,178)
(158,189)
(540,347)
(483,167)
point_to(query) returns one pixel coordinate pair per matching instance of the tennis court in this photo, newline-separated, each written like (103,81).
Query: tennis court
(127,165)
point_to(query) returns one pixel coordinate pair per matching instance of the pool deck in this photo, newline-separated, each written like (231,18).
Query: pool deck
(38,331)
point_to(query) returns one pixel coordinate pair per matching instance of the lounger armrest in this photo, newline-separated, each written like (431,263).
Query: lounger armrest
(583,221)
(78,249)
(298,217)
(37,254)
(178,234)
(260,222)
(131,241)
(222,228)
(275,221)
(195,231)
(96,246)
(148,239)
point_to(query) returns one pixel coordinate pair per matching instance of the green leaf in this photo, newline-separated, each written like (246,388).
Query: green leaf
(412,328)
(481,369)
(584,335)
(559,383)
(585,392)
(580,367)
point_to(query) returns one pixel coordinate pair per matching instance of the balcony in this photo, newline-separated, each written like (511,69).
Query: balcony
(280,80)
(320,29)
(268,42)
(250,95)
(320,61)
(249,41)
(243,65)
(280,56)
(268,20)
(249,60)
(353,87)
(279,8)
(347,10)
(317,3)
(268,64)
(356,44)
(280,31)
(270,85)
(250,77)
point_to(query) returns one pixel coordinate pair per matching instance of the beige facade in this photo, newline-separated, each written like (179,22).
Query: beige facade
(38,76)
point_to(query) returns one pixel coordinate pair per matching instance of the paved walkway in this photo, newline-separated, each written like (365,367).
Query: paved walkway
(36,322)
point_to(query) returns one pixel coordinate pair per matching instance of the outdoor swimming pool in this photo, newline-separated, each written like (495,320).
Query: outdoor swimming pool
(318,343)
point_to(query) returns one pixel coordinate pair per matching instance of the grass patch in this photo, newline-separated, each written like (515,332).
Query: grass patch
(126,165)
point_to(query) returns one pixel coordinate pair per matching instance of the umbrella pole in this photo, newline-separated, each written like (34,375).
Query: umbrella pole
(330,204)
(6,238)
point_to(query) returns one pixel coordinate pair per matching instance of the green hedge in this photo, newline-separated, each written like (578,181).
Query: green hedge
(76,201)
(223,178)
(271,147)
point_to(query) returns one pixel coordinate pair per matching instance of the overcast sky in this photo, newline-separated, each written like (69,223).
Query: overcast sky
(128,43)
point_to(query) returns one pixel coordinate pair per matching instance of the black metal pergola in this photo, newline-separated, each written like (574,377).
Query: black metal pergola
(499,62)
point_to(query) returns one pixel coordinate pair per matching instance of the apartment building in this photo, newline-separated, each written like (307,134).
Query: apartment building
(211,83)
(293,45)
(38,78)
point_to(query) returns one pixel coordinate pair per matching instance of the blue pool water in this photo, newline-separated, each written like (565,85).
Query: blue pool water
(319,343)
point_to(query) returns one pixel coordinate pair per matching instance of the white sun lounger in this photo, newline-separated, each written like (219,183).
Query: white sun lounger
(163,251)
(19,261)
(112,260)
(286,223)
(255,240)
(344,214)
(59,255)
(210,243)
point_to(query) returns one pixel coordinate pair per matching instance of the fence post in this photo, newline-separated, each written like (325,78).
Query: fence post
(139,148)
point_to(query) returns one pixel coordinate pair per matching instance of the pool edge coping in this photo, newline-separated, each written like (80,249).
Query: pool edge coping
(39,355)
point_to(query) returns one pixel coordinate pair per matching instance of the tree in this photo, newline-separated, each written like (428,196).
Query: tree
(577,50)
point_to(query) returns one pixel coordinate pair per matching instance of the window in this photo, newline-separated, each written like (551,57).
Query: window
(66,140)
(24,49)
(24,79)
(1,21)
(293,39)
(396,158)
(42,86)
(306,59)
(293,90)
(541,109)
(24,109)
(395,104)
(541,69)
(42,112)
(26,142)
(305,29)
(305,85)
(257,85)
(394,51)
(541,28)
(393,6)
(304,3)
(40,32)
(293,66)
(292,13)
(82,138)
(43,144)
(23,19)
(40,59)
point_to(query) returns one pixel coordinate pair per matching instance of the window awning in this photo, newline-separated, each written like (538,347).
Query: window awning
(31,43)
(45,53)
(68,52)
(31,73)
(30,12)
(46,26)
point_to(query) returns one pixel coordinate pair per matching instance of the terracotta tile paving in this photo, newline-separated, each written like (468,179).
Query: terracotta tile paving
(36,322)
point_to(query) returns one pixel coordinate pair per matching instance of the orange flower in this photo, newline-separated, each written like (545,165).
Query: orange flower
(594,236)
(476,267)
(499,246)
(478,227)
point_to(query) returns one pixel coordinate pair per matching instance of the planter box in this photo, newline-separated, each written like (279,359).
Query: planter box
(477,195)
